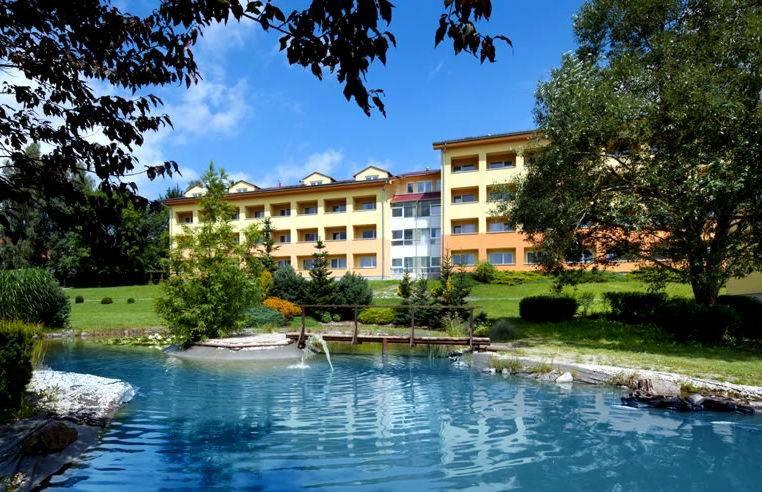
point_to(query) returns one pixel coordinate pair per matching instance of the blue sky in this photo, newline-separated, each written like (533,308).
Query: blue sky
(267,122)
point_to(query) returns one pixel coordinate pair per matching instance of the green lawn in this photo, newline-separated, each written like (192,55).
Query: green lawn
(93,316)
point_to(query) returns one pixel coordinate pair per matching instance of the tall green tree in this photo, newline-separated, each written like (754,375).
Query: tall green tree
(654,141)
(268,246)
(404,291)
(209,292)
(321,288)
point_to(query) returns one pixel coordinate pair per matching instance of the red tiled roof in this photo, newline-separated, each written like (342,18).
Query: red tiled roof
(414,197)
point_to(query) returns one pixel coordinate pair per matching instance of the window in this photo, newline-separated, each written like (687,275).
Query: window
(464,259)
(435,261)
(396,262)
(495,196)
(436,233)
(339,207)
(464,229)
(241,190)
(436,209)
(185,218)
(258,214)
(502,164)
(501,258)
(339,263)
(533,257)
(463,168)
(402,237)
(367,206)
(424,209)
(499,227)
(397,211)
(464,198)
(317,182)
(368,234)
(284,262)
(371,177)
(308,263)
(368,261)
(235,215)
(196,195)
(310,210)
(585,256)
(310,236)
(284,212)
(339,236)
(284,238)
(237,237)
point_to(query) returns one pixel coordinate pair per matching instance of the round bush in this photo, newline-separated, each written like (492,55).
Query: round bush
(635,307)
(376,316)
(750,311)
(484,272)
(32,295)
(502,329)
(130,300)
(326,317)
(16,347)
(547,308)
(107,300)
(261,316)
(687,321)
(79,300)
(288,309)
(352,289)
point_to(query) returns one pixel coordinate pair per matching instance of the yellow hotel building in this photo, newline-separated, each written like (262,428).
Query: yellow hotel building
(379,224)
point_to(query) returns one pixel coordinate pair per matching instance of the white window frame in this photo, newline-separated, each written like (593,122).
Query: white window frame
(366,257)
(502,261)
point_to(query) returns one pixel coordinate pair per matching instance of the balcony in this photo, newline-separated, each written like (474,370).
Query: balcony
(282,237)
(465,195)
(255,212)
(307,208)
(364,203)
(465,164)
(335,206)
(464,226)
(307,235)
(280,210)
(336,234)
(501,161)
(365,232)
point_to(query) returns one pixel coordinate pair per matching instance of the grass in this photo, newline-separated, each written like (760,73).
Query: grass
(92,316)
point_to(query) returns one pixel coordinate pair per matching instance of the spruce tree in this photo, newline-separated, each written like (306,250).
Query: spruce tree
(404,290)
(268,246)
(321,288)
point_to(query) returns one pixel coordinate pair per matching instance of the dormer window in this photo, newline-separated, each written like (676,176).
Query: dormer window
(371,177)
(313,183)
(240,190)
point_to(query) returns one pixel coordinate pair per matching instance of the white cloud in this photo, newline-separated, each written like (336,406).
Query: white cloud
(210,107)
(288,173)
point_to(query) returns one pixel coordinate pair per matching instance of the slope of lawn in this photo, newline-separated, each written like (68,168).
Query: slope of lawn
(93,316)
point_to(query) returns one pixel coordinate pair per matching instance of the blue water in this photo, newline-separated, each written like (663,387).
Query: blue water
(393,423)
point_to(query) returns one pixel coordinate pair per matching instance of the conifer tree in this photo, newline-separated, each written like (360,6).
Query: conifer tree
(404,290)
(321,288)
(268,246)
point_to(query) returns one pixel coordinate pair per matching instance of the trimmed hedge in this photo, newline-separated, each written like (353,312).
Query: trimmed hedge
(635,307)
(547,308)
(484,272)
(16,347)
(79,300)
(287,308)
(750,311)
(32,295)
(107,300)
(261,316)
(502,329)
(515,278)
(688,321)
(130,300)
(376,316)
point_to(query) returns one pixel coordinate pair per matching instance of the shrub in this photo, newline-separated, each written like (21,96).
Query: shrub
(16,352)
(635,307)
(453,325)
(336,317)
(32,295)
(547,308)
(484,272)
(686,320)
(288,285)
(502,329)
(750,311)
(325,317)
(352,289)
(515,278)
(586,301)
(107,300)
(376,316)
(79,300)
(130,300)
(260,316)
(288,309)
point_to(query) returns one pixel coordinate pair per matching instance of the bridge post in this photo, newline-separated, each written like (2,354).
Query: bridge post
(354,336)
(301,342)
(471,328)
(412,326)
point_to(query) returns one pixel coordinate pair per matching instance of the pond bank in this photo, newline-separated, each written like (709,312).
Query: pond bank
(73,409)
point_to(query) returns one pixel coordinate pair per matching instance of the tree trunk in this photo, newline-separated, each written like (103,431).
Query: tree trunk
(705,291)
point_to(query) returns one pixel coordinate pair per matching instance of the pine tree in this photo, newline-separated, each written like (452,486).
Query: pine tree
(422,297)
(404,290)
(321,288)
(268,246)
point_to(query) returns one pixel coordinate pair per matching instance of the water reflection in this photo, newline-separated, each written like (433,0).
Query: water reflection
(392,423)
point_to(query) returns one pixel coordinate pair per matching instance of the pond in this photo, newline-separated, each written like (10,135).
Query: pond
(391,423)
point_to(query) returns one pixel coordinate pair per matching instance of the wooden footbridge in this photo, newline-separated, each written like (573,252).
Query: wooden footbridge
(356,337)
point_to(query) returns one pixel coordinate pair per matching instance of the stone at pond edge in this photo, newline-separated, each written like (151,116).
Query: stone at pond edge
(565,378)
(51,437)
(694,403)
(660,387)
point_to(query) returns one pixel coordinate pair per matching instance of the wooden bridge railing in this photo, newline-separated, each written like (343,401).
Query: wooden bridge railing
(412,307)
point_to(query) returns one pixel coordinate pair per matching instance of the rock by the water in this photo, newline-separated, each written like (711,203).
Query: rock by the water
(565,378)
(718,404)
(695,399)
(52,437)
(81,397)
(656,386)
(505,371)
(693,403)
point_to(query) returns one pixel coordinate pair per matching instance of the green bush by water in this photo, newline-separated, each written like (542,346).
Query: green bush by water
(16,361)
(547,308)
(261,317)
(502,329)
(32,295)
(376,316)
